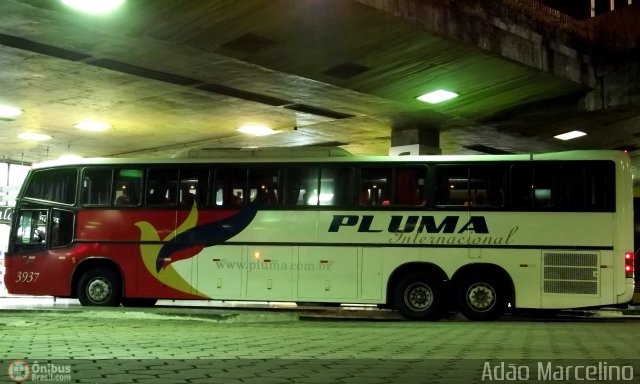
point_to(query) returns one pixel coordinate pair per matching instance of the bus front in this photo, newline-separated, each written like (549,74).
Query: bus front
(40,260)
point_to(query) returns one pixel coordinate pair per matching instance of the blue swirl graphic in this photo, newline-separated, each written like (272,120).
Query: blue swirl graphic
(208,235)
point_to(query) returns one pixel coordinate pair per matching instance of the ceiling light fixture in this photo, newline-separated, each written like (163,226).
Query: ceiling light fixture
(438,96)
(9,112)
(256,130)
(570,135)
(93,126)
(95,7)
(34,136)
(70,157)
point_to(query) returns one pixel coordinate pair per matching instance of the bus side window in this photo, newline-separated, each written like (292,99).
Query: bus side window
(32,230)
(544,186)
(96,186)
(293,185)
(336,186)
(162,186)
(229,187)
(487,184)
(193,187)
(534,187)
(301,186)
(127,187)
(587,186)
(375,185)
(61,228)
(452,185)
(57,185)
(410,186)
(521,186)
(263,186)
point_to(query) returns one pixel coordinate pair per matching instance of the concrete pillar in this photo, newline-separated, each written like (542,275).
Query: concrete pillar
(415,141)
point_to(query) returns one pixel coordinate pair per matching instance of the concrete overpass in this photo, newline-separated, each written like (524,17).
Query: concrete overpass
(174,75)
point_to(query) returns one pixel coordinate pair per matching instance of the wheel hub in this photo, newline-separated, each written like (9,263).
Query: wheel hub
(99,290)
(419,296)
(481,297)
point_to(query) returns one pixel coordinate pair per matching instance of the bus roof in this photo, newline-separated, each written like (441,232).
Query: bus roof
(247,157)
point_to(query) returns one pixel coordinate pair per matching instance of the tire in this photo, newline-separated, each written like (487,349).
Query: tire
(418,297)
(482,298)
(100,287)
(138,302)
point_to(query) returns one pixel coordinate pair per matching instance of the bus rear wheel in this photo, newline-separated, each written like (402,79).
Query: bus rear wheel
(482,298)
(99,287)
(418,297)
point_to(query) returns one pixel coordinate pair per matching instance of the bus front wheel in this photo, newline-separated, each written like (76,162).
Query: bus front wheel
(99,287)
(482,298)
(418,297)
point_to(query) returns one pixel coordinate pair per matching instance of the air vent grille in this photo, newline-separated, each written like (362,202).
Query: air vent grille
(249,43)
(571,273)
(346,70)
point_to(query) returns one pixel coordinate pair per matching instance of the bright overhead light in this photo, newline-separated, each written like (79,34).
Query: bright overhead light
(69,157)
(256,130)
(570,135)
(9,112)
(437,96)
(93,126)
(34,136)
(93,6)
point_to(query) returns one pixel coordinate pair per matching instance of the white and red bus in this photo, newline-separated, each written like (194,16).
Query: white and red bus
(419,234)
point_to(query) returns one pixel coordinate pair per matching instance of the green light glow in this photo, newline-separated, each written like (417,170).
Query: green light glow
(570,135)
(96,7)
(437,96)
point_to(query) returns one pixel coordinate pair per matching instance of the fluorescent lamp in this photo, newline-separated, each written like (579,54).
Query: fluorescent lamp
(93,6)
(570,135)
(34,136)
(93,126)
(437,96)
(69,157)
(256,130)
(9,112)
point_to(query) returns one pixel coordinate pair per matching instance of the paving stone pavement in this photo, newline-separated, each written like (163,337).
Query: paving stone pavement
(121,346)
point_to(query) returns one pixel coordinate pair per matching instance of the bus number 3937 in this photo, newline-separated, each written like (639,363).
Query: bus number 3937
(26,277)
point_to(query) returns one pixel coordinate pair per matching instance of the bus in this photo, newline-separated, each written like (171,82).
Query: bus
(424,235)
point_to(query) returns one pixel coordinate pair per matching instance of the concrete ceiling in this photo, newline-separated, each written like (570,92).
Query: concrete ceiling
(172,75)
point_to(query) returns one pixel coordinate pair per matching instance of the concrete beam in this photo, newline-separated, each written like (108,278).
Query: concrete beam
(506,30)
(601,53)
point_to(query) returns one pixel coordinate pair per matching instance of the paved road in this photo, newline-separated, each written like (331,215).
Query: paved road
(248,346)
